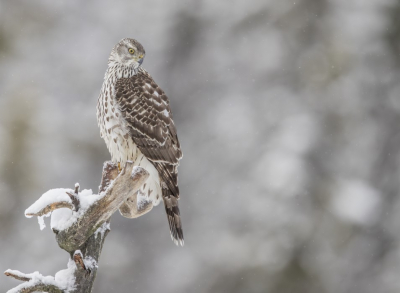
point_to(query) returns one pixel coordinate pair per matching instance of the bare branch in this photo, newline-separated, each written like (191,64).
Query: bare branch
(131,209)
(82,239)
(17,275)
(51,207)
(29,288)
(78,259)
(110,172)
(31,284)
(125,185)
(80,263)
(77,186)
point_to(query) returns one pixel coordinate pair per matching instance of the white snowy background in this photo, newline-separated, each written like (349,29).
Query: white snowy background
(288,113)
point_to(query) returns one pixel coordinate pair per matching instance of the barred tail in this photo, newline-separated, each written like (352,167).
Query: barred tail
(173,215)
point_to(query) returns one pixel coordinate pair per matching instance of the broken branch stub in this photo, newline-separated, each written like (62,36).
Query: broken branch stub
(110,172)
(75,200)
(127,183)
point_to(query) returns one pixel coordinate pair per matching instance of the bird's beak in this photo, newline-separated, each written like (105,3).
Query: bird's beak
(140,61)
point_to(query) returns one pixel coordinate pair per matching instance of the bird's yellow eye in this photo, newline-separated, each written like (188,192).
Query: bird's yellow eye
(131,51)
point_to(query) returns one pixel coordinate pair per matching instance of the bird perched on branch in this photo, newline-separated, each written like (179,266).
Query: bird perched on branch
(136,123)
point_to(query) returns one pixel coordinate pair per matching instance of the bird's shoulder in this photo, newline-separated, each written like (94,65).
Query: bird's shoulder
(142,85)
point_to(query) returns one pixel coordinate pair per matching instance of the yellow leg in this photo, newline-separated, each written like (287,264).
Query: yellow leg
(119,167)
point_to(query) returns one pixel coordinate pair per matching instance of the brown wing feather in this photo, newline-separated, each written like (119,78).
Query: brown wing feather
(145,108)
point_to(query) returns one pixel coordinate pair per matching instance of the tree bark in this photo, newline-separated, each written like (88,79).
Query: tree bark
(84,239)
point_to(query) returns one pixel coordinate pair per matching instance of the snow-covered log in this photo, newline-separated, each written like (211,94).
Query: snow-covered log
(81,221)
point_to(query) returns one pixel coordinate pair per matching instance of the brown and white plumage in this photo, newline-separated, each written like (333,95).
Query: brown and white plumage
(136,123)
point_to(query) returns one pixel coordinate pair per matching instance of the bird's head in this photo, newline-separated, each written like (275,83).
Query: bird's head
(128,52)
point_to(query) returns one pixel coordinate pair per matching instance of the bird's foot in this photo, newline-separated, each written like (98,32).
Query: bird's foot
(121,170)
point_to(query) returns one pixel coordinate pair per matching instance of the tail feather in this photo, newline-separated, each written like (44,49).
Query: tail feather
(173,215)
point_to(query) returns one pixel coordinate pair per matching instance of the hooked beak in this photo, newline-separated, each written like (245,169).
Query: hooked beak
(140,61)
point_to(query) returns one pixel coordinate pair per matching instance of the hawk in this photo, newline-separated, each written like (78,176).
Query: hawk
(136,123)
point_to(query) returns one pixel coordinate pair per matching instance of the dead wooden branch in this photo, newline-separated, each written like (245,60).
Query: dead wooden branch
(33,283)
(51,207)
(74,198)
(40,287)
(132,209)
(78,259)
(84,238)
(16,276)
(124,186)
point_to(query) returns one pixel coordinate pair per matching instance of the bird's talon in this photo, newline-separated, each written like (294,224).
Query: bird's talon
(121,170)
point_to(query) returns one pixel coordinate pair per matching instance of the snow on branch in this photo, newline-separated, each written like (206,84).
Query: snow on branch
(64,205)
(77,219)
(126,185)
(62,282)
(75,215)
(54,199)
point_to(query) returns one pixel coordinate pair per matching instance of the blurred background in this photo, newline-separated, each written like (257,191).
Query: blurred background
(288,113)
